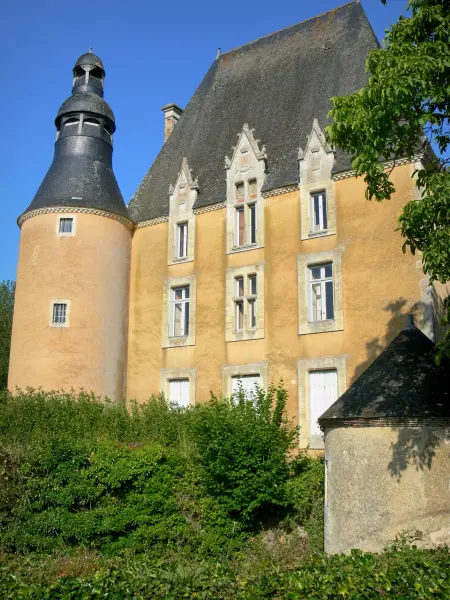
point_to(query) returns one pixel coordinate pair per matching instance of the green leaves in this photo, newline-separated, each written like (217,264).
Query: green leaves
(7,291)
(404,107)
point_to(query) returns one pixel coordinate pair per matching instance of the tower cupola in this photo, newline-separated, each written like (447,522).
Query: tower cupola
(81,174)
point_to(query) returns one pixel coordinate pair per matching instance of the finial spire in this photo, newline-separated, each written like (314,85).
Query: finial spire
(90,50)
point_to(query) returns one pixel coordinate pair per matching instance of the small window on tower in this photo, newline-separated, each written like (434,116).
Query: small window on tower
(59,316)
(65,226)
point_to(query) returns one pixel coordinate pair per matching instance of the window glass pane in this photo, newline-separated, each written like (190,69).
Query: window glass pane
(329,299)
(252,314)
(323,392)
(252,194)
(329,270)
(316,302)
(65,225)
(178,293)
(239,316)
(177,319)
(247,383)
(182,240)
(186,291)
(252,209)
(186,318)
(59,313)
(315,272)
(239,286)
(240,192)
(316,213)
(252,285)
(324,211)
(241,227)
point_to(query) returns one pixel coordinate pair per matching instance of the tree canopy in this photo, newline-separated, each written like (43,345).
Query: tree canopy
(7,289)
(403,112)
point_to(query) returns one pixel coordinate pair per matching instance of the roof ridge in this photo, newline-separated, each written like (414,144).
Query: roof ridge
(288,27)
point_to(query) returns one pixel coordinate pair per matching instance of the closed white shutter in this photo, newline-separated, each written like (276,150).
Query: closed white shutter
(248,383)
(323,391)
(179,392)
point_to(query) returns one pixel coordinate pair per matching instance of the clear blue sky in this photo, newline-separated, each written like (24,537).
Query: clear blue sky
(154,53)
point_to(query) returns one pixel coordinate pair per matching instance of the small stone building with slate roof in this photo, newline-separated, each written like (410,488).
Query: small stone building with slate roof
(247,254)
(387,450)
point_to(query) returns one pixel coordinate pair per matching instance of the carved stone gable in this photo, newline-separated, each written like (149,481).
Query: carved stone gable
(185,190)
(316,161)
(246,154)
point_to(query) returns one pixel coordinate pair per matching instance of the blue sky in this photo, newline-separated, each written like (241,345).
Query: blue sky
(154,53)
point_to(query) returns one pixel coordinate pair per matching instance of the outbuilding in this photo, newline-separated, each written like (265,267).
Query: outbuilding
(387,450)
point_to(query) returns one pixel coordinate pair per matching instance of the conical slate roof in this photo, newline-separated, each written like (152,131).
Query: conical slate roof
(404,382)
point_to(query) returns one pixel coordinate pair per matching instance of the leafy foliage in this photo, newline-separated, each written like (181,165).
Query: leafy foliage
(7,290)
(405,104)
(407,573)
(77,472)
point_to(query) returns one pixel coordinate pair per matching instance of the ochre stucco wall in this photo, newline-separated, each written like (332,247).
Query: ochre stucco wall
(384,481)
(91,270)
(380,285)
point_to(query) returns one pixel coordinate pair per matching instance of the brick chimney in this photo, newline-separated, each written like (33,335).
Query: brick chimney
(172,112)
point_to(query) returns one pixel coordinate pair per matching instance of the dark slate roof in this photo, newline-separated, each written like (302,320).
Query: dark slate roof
(85,102)
(403,382)
(277,85)
(89,58)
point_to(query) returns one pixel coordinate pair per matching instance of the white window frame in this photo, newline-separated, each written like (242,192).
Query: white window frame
(179,381)
(323,212)
(184,301)
(182,244)
(321,283)
(245,298)
(53,303)
(168,375)
(252,392)
(312,373)
(58,225)
(245,302)
(253,369)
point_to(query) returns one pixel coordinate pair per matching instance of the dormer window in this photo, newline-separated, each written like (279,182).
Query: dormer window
(318,212)
(246,172)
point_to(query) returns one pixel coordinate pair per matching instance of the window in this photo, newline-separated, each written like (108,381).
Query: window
(71,125)
(323,392)
(321,303)
(247,383)
(245,299)
(182,240)
(65,225)
(179,311)
(179,392)
(318,212)
(245,216)
(59,316)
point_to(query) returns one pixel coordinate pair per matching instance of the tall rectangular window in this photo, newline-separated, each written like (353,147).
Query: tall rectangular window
(182,240)
(179,311)
(239,303)
(59,314)
(318,212)
(252,190)
(252,300)
(323,392)
(321,302)
(239,228)
(252,215)
(240,193)
(179,392)
(65,225)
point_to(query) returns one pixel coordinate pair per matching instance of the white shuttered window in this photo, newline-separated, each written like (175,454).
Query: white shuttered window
(179,392)
(247,382)
(323,391)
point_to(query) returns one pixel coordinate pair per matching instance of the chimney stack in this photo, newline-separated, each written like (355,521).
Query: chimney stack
(172,112)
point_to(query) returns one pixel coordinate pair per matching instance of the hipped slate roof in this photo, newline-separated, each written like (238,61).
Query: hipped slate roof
(404,382)
(277,85)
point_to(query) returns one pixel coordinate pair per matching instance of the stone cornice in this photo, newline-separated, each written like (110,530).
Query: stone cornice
(210,208)
(279,191)
(74,209)
(151,222)
(387,164)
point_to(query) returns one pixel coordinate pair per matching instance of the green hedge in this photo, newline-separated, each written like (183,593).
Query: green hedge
(404,574)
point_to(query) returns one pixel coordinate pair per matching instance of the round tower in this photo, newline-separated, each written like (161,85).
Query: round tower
(71,307)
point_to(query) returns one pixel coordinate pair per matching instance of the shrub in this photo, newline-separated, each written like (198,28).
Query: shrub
(243,453)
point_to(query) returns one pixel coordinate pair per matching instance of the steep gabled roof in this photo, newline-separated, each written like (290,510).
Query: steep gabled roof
(404,382)
(278,85)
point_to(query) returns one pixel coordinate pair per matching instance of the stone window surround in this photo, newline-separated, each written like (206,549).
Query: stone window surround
(306,192)
(181,211)
(304,261)
(174,221)
(304,367)
(50,320)
(229,371)
(247,334)
(167,375)
(74,224)
(169,284)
